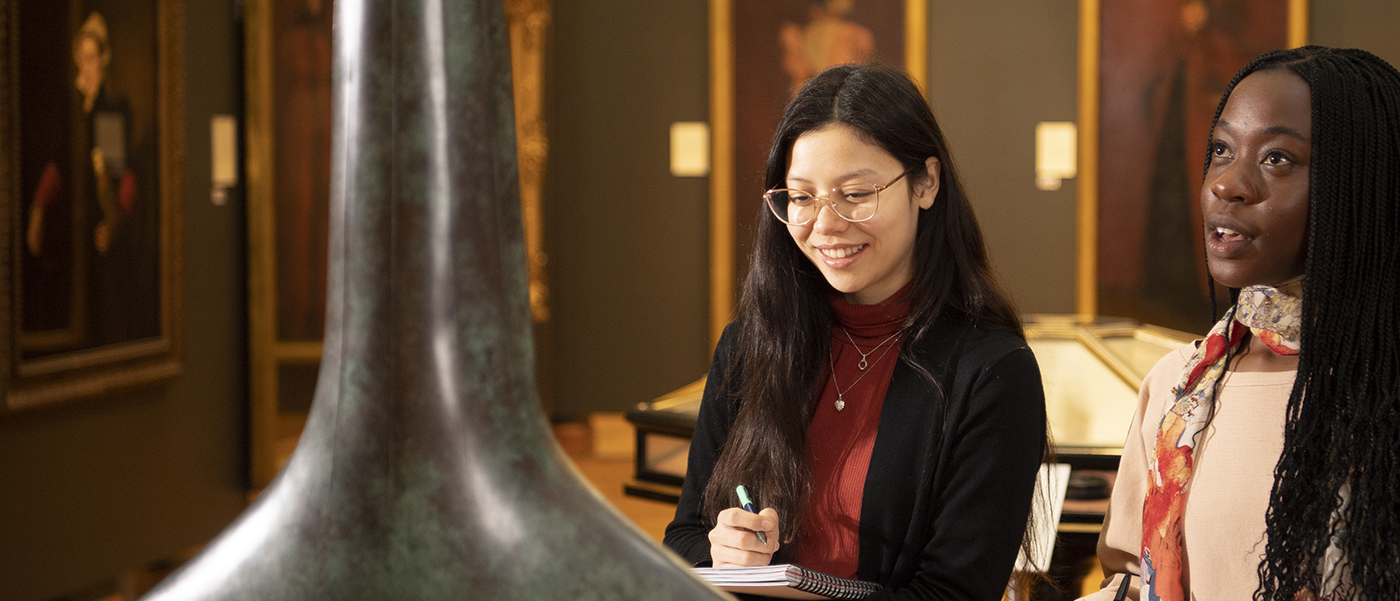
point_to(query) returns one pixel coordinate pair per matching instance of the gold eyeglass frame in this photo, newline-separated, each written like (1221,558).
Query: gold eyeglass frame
(767,201)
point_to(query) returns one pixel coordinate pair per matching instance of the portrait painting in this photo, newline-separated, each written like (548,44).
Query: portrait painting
(1163,68)
(91,283)
(301,89)
(778,46)
(289,112)
(90,261)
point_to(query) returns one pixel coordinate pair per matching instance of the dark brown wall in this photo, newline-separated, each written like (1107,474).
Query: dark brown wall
(91,489)
(1366,24)
(995,70)
(628,242)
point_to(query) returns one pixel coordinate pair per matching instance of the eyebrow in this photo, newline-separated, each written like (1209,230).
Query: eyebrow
(853,174)
(1272,130)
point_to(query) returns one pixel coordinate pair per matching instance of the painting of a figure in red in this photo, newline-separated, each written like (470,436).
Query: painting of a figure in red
(778,46)
(89,196)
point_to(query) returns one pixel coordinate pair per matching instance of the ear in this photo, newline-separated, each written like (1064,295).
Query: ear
(926,192)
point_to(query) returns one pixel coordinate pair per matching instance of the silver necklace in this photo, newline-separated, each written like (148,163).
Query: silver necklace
(862,365)
(841,394)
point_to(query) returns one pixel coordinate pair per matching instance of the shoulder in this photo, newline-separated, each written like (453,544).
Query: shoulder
(725,373)
(981,369)
(729,337)
(1167,370)
(969,346)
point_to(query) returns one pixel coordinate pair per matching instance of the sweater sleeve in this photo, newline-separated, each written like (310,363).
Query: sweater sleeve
(688,533)
(995,447)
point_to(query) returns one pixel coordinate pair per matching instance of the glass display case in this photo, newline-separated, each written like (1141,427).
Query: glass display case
(1091,369)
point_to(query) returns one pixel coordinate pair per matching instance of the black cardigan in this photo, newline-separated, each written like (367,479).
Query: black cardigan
(940,518)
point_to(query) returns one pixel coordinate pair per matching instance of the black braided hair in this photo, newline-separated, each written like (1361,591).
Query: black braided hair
(1343,416)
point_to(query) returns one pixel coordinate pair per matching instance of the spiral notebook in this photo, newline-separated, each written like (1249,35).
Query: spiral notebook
(786,581)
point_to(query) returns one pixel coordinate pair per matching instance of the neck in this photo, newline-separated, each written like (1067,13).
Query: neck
(1292,286)
(1258,357)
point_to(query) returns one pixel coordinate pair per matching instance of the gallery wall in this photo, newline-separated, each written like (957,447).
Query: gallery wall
(1366,24)
(995,70)
(100,487)
(627,242)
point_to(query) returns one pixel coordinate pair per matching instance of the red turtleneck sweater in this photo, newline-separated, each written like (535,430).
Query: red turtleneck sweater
(840,442)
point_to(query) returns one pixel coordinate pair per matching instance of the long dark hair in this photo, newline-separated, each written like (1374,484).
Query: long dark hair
(1343,420)
(784,320)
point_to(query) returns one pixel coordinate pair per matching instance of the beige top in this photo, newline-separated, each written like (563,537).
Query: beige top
(1233,475)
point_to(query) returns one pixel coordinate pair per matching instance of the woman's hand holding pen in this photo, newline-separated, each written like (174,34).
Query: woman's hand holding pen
(734,539)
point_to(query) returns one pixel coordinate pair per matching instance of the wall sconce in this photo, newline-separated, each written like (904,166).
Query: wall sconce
(690,149)
(223,156)
(1056,153)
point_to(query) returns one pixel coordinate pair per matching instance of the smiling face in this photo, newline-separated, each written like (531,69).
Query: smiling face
(1255,195)
(871,260)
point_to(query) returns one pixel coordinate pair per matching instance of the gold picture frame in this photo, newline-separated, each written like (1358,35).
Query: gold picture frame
(906,20)
(91,134)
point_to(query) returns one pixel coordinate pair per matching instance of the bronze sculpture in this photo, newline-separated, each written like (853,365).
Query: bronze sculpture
(426,469)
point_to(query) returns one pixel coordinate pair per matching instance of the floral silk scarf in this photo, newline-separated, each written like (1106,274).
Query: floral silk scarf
(1275,316)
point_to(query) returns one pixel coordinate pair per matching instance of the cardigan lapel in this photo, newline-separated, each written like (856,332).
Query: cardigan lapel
(898,484)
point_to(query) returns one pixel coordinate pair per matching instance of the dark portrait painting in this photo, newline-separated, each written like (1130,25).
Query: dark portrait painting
(779,45)
(89,191)
(1164,66)
(301,96)
(90,162)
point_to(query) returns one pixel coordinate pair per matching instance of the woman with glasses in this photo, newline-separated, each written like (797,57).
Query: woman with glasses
(874,394)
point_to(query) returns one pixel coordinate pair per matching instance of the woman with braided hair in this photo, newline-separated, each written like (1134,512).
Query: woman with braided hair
(1264,461)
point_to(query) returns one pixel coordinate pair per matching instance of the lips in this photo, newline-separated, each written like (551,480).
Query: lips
(841,253)
(1226,237)
(841,256)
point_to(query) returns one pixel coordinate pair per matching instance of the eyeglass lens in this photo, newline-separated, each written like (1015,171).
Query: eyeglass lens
(854,202)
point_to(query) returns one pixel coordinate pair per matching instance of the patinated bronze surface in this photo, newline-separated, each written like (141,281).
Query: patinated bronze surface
(426,470)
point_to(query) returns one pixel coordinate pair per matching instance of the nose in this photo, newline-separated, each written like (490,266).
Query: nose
(1238,182)
(827,221)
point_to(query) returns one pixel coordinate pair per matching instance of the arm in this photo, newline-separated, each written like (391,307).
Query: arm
(688,532)
(982,494)
(1120,541)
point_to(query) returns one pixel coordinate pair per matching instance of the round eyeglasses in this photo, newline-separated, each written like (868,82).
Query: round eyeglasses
(852,202)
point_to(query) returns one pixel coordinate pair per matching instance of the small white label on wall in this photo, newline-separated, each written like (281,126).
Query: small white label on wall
(690,149)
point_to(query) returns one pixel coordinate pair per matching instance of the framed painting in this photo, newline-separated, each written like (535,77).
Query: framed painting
(761,52)
(1151,76)
(288,129)
(90,160)
(289,111)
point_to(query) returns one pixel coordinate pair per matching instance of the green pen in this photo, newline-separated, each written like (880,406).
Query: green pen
(748,506)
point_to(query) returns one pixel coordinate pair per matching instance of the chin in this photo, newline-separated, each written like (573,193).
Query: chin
(1243,278)
(844,285)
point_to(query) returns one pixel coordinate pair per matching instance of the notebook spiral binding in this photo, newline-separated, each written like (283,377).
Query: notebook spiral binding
(827,585)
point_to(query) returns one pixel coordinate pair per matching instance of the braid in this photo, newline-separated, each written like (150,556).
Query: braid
(1342,430)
